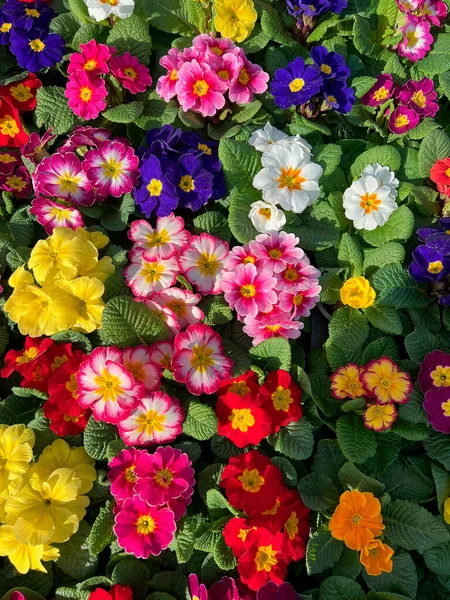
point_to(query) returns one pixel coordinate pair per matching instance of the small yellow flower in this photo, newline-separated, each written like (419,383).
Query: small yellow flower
(25,556)
(21,278)
(81,302)
(235,19)
(357,293)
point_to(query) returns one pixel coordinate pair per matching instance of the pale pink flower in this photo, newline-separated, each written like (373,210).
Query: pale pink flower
(93,58)
(277,248)
(52,214)
(165,85)
(292,275)
(227,66)
(276,323)
(199,361)
(199,89)
(145,277)
(144,530)
(301,299)
(123,473)
(61,176)
(161,354)
(240,255)
(86,95)
(166,314)
(112,168)
(161,242)
(157,419)
(417,38)
(249,290)
(132,74)
(250,80)
(183,303)
(212,46)
(107,387)
(137,360)
(202,262)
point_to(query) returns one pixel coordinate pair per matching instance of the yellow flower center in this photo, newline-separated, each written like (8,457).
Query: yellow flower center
(6,159)
(248,291)
(447,172)
(291,526)
(435,267)
(205,149)
(8,126)
(201,358)
(200,88)
(412,38)
(32,12)
(441,376)
(419,98)
(157,238)
(274,509)
(129,474)
(152,271)
(240,388)
(386,383)
(72,386)
(16,183)
(68,183)
(242,419)
(145,525)
(85,94)
(187,183)
(251,481)
(248,259)
(265,558)
(446,408)
(164,477)
(217,51)
(90,65)
(265,212)
(273,328)
(401,121)
(224,75)
(353,385)
(290,178)
(59,361)
(108,386)
(130,72)
(243,533)
(369,202)
(112,168)
(290,274)
(374,552)
(325,69)
(110,2)
(377,411)
(331,99)
(59,213)
(5,27)
(173,75)
(21,92)
(243,77)
(37,45)
(150,421)
(297,299)
(282,399)
(296,84)
(275,253)
(208,264)
(356,519)
(179,308)
(380,94)
(27,356)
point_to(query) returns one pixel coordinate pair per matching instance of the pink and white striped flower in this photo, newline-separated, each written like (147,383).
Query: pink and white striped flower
(278,249)
(248,290)
(107,387)
(161,242)
(202,262)
(157,419)
(112,168)
(161,354)
(434,11)
(145,277)
(275,323)
(137,360)
(61,176)
(52,214)
(417,38)
(183,303)
(86,135)
(301,299)
(199,361)
(166,314)
(240,255)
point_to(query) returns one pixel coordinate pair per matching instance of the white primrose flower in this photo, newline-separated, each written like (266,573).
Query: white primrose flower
(368,204)
(288,177)
(262,139)
(384,176)
(266,217)
(102,9)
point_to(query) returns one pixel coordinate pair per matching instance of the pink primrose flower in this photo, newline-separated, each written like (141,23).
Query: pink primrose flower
(86,95)
(249,290)
(251,80)
(52,214)
(202,262)
(211,46)
(166,84)
(276,323)
(420,96)
(93,58)
(434,11)
(112,168)
(123,473)
(380,92)
(132,74)
(300,300)
(278,249)
(417,39)
(137,361)
(183,303)
(403,119)
(161,354)
(161,242)
(199,89)
(145,277)
(240,255)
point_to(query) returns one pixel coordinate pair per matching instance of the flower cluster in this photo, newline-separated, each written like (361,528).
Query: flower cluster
(380,383)
(64,287)
(357,521)
(314,8)
(274,528)
(434,381)
(51,368)
(371,199)
(41,503)
(178,169)
(405,105)
(122,387)
(431,260)
(109,167)
(14,176)
(249,412)
(271,285)
(152,492)
(288,176)
(230,589)
(318,87)
(200,76)
(25,28)
(420,15)
(86,88)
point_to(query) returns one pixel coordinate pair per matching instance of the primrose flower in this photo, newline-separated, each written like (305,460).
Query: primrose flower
(384,381)
(262,560)
(80,301)
(248,290)
(199,89)
(376,557)
(357,293)
(113,168)
(369,204)
(380,92)
(138,361)
(157,419)
(194,183)
(403,119)
(437,407)
(417,38)
(276,323)
(434,371)
(183,303)
(100,10)
(331,64)
(166,84)
(357,519)
(383,175)
(162,241)
(196,590)
(434,11)
(380,417)
(61,176)
(24,556)
(346,382)
(301,299)
(235,19)
(36,49)
(281,398)
(262,139)
(52,214)
(22,94)
(420,96)
(161,354)
(145,277)
(93,58)
(266,217)
(86,94)
(241,385)
(132,74)
(277,249)
(338,95)
(155,192)
(428,265)
(198,360)
(16,452)
(250,80)
(242,420)
(295,84)
(12,134)
(201,262)
(122,473)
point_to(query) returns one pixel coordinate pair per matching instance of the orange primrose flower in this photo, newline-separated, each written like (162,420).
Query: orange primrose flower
(376,558)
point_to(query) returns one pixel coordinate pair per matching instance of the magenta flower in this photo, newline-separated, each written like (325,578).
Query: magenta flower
(86,95)
(211,46)
(248,290)
(147,276)
(85,135)
(434,371)
(144,530)
(62,176)
(201,262)
(164,475)
(250,81)
(112,168)
(434,11)
(132,74)
(273,591)
(276,323)
(167,315)
(93,58)
(199,89)
(137,360)
(197,590)
(18,183)
(183,303)
(420,96)
(409,5)
(52,214)
(123,473)
(34,147)
(162,241)
(295,274)
(380,92)
(403,119)
(437,407)
(417,39)
(227,66)
(279,249)
(225,589)
(166,84)
(300,300)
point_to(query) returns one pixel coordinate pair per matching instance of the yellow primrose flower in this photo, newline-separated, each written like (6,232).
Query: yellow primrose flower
(60,455)
(97,238)
(357,293)
(58,256)
(11,489)
(102,269)
(235,19)
(16,452)
(25,556)
(81,301)
(21,278)
(47,510)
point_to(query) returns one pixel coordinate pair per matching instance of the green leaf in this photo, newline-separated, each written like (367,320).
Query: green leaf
(131,35)
(97,436)
(209,479)
(156,112)
(52,110)
(272,26)
(384,318)
(405,481)
(437,559)
(295,441)
(322,551)
(187,533)
(328,459)
(356,441)
(399,227)
(386,254)
(75,559)
(272,354)
(348,329)
(66,25)
(437,59)
(171,16)
(395,287)
(14,409)
(213,222)
(116,217)
(364,36)
(287,470)
(240,163)
(132,572)
(126,322)
(124,113)
(340,588)
(102,534)
(437,446)
(413,527)
(353,478)
(201,421)
(348,565)
(238,220)
(318,492)
(435,145)
(318,228)
(350,255)
(79,10)
(422,341)
(402,579)
(441,479)
(216,310)
(386,156)
(328,156)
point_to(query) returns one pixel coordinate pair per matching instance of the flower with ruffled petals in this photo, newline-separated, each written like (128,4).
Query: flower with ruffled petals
(116,592)
(263,559)
(437,407)
(380,417)
(157,419)
(266,217)
(235,19)
(420,96)
(162,241)
(24,556)
(357,293)
(86,94)
(202,261)
(16,452)
(384,381)
(161,354)
(376,557)
(278,249)
(244,384)
(100,9)
(12,134)
(123,473)
(235,534)
(276,323)
(93,58)
(250,80)
(248,290)
(346,382)
(137,360)
(242,420)
(199,89)
(147,276)
(166,85)
(61,176)
(281,398)
(112,168)
(183,303)
(52,214)
(301,299)
(417,38)
(403,119)
(434,11)
(240,255)
(295,84)
(168,317)
(21,360)
(36,49)
(131,73)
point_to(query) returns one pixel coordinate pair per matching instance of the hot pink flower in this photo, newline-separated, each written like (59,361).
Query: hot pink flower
(299,273)
(408,5)
(417,39)
(380,92)
(161,354)
(164,475)
(248,290)
(434,11)
(403,119)
(144,530)
(420,96)
(240,255)
(34,147)
(123,473)
(199,361)
(227,66)
(157,419)
(62,176)
(276,323)
(86,95)
(93,58)
(278,248)
(145,277)
(300,300)
(166,84)
(183,303)
(107,387)
(161,242)
(250,80)
(132,74)
(112,168)
(52,214)
(19,183)
(212,46)
(202,261)
(137,360)
(199,89)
